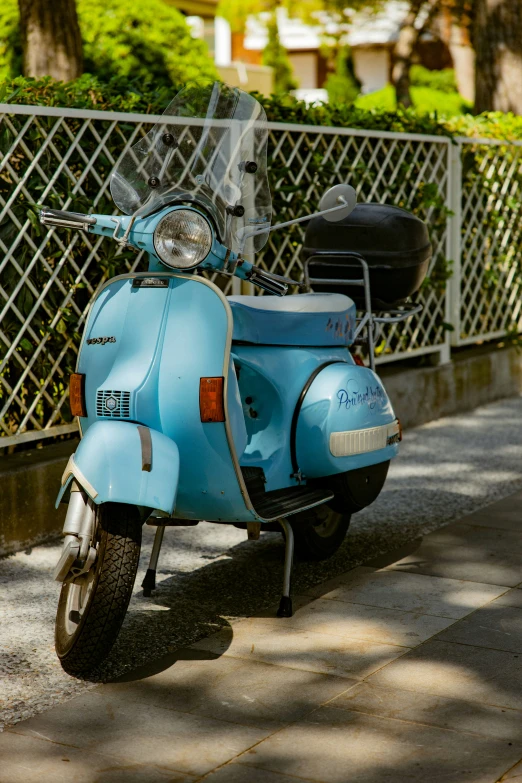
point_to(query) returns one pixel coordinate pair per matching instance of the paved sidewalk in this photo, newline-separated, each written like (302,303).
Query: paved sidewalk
(210,575)
(406,669)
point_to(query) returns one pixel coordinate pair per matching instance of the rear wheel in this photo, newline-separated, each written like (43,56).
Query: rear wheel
(318,532)
(92,608)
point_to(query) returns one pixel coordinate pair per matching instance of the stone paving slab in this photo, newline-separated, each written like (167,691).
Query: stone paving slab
(501,520)
(514,775)
(510,598)
(425,595)
(458,671)
(469,552)
(251,693)
(379,625)
(335,746)
(25,759)
(407,669)
(258,640)
(141,733)
(446,713)
(241,772)
(496,626)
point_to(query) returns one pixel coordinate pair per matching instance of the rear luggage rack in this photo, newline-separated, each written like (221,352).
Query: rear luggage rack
(370,320)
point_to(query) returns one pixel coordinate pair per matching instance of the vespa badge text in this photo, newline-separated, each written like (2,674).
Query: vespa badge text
(100,340)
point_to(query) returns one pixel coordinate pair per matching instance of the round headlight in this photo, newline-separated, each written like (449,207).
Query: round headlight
(182,239)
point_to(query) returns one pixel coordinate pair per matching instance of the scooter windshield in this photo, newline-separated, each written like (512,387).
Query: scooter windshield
(210,149)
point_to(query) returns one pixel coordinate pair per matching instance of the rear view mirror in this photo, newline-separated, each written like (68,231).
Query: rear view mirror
(335,197)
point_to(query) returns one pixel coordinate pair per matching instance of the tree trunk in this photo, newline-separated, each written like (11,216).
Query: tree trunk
(408,38)
(51,40)
(402,55)
(497,38)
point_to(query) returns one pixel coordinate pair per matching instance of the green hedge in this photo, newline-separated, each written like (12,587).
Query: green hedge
(442,81)
(289,200)
(143,39)
(426,100)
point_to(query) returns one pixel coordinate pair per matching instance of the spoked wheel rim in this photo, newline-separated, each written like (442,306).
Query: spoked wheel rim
(78,594)
(80,590)
(327,523)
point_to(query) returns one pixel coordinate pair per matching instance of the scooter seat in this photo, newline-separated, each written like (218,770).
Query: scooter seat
(302,319)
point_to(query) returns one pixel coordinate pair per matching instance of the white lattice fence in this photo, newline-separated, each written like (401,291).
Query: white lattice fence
(488,269)
(64,157)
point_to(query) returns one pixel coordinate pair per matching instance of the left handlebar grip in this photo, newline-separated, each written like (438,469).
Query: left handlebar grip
(267,282)
(63,219)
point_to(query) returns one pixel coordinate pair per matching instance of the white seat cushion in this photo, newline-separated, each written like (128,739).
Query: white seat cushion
(302,319)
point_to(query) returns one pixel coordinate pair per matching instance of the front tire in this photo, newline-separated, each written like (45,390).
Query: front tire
(318,532)
(92,608)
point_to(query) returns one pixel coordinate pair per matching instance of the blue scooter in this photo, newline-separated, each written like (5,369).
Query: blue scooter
(244,410)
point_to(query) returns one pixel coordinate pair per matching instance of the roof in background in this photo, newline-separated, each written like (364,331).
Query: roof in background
(367,29)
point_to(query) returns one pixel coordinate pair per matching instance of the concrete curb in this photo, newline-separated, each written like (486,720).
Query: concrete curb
(29,480)
(475,377)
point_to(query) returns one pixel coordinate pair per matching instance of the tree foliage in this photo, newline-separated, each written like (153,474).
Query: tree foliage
(275,55)
(343,86)
(146,40)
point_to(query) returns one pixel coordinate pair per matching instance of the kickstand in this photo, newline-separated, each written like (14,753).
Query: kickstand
(149,583)
(285,606)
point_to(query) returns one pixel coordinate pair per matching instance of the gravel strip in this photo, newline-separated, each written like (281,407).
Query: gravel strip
(210,575)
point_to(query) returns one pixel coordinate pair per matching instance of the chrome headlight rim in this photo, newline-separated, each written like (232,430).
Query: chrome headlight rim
(201,245)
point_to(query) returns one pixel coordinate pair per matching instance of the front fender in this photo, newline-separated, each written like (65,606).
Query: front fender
(113,464)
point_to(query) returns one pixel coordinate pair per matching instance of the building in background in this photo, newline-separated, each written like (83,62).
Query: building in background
(372,39)
(215,31)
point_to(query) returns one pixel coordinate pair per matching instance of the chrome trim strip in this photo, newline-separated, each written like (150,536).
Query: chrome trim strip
(72,468)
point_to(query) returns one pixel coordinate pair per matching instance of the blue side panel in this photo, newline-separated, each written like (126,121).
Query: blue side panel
(165,340)
(109,457)
(271,380)
(194,347)
(341,399)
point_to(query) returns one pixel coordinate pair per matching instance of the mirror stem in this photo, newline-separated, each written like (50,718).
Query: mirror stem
(256,232)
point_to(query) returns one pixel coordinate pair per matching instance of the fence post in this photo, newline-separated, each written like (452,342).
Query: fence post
(454,239)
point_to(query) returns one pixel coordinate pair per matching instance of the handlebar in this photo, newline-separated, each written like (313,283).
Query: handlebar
(273,284)
(59,217)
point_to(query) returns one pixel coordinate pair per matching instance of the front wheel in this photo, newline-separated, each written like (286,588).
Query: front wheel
(318,532)
(92,608)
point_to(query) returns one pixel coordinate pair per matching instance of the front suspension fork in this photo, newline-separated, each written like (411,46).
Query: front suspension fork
(77,555)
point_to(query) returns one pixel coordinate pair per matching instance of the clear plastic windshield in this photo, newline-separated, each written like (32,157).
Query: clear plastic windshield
(210,149)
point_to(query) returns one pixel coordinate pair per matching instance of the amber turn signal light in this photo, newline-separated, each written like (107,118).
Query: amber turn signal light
(77,394)
(211,404)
